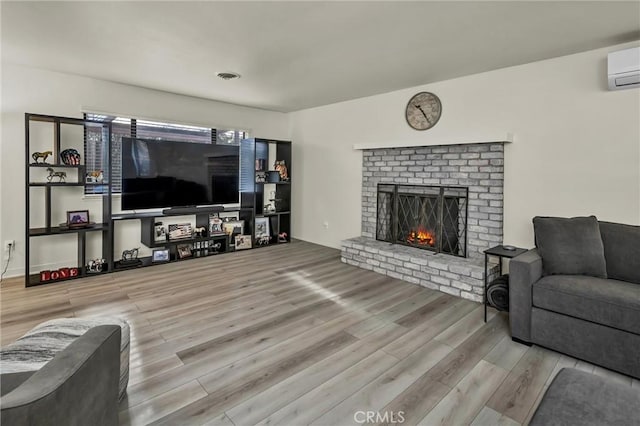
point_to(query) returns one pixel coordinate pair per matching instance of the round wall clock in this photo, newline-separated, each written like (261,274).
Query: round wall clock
(423,111)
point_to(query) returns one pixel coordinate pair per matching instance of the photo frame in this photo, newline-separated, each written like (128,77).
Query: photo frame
(262,227)
(243,242)
(159,233)
(78,218)
(233,227)
(180,231)
(160,255)
(184,250)
(215,225)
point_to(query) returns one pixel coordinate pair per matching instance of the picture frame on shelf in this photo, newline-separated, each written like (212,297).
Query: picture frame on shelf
(243,242)
(215,225)
(180,231)
(233,227)
(184,251)
(78,218)
(160,255)
(159,233)
(262,227)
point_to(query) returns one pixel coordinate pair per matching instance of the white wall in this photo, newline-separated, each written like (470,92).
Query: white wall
(576,149)
(38,91)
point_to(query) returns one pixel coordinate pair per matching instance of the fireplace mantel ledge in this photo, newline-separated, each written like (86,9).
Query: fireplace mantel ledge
(440,141)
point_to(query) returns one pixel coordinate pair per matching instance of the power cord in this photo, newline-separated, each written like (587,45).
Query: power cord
(4,271)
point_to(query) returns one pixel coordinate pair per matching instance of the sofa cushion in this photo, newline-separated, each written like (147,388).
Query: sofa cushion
(570,246)
(604,301)
(621,251)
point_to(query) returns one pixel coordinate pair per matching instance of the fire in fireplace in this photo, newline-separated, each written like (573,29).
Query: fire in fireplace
(428,217)
(422,237)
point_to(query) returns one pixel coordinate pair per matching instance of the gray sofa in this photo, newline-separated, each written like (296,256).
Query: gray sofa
(578,292)
(79,386)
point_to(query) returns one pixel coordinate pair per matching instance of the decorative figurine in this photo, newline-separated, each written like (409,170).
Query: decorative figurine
(275,202)
(282,237)
(43,155)
(62,176)
(95,177)
(95,266)
(200,231)
(130,255)
(281,168)
(215,247)
(263,240)
(70,157)
(159,233)
(261,177)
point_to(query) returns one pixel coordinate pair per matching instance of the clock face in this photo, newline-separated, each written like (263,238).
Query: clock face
(423,111)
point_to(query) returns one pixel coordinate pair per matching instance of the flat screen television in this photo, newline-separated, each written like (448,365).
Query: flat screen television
(161,174)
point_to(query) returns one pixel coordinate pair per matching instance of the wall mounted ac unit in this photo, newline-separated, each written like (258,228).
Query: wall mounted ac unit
(624,69)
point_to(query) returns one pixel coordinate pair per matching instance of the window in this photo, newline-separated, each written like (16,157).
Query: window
(144,129)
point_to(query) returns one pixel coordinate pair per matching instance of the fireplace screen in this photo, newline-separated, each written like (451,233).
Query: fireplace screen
(427,217)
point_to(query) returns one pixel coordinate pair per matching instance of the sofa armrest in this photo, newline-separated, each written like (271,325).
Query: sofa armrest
(79,386)
(524,270)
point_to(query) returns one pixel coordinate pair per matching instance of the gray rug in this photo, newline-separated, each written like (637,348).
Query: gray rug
(582,399)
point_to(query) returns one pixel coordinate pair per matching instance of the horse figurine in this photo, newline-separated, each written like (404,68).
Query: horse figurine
(43,155)
(263,240)
(62,176)
(281,168)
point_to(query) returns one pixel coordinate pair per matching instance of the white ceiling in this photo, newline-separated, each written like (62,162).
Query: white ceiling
(296,55)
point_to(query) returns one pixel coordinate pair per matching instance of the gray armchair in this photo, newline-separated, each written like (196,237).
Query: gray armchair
(79,386)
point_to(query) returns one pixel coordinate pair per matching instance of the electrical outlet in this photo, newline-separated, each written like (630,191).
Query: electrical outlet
(325,224)
(9,244)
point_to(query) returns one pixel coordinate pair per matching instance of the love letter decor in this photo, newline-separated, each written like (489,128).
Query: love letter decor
(60,274)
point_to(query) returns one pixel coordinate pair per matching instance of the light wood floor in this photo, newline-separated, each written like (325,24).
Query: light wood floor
(289,335)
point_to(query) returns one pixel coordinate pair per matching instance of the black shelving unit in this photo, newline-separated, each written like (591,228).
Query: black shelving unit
(258,158)
(54,162)
(253,197)
(147,228)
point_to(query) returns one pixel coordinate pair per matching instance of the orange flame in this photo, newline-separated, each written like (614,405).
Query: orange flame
(422,237)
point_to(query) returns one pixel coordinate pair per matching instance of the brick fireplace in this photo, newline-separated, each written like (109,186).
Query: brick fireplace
(428,213)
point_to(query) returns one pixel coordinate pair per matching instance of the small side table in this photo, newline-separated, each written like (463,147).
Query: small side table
(501,253)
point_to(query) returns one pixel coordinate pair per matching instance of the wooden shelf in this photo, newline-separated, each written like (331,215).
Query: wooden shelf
(187,241)
(273,214)
(288,182)
(64,120)
(56,184)
(142,215)
(77,166)
(56,230)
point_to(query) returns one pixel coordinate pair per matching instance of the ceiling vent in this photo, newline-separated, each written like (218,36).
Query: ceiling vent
(228,75)
(624,69)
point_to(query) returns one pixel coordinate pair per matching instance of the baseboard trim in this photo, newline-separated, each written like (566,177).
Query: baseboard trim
(515,339)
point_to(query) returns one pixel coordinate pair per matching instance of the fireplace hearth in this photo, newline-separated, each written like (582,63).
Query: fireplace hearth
(428,217)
